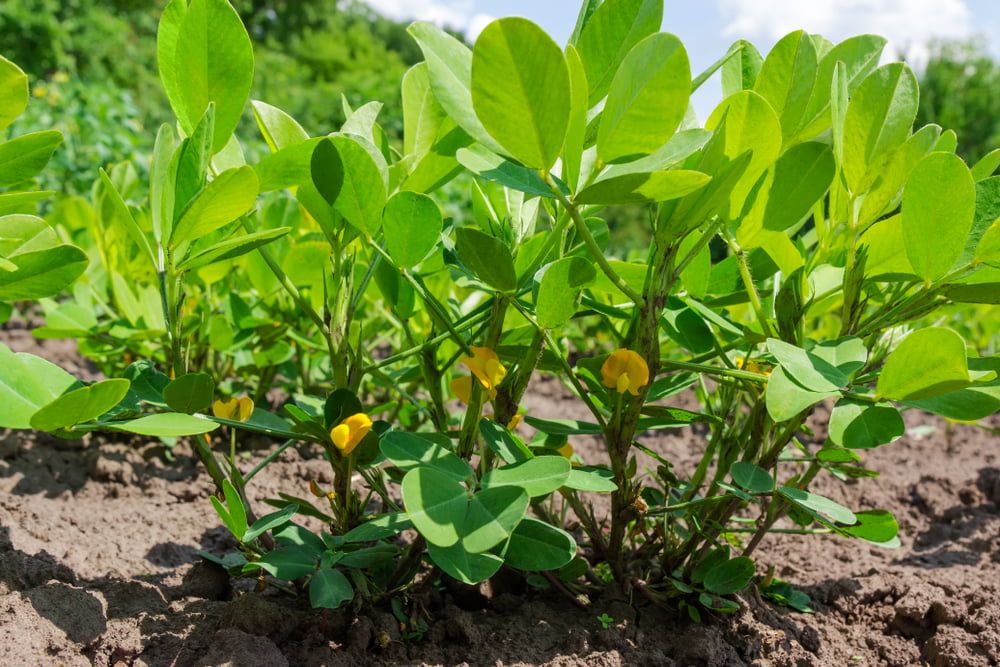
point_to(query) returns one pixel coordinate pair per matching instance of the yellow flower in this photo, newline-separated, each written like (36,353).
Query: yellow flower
(624,371)
(752,365)
(485,365)
(462,388)
(347,434)
(566,450)
(236,409)
(514,422)
(40,91)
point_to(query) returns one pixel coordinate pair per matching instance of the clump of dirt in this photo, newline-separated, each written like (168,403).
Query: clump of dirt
(99,565)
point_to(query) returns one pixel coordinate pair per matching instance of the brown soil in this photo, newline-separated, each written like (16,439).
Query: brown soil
(98,565)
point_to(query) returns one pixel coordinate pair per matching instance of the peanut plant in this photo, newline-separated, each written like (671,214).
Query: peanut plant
(794,253)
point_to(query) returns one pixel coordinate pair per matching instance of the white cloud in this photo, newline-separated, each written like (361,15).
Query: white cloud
(456,14)
(909,25)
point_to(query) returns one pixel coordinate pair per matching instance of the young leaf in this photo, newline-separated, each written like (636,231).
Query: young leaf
(730,576)
(520,90)
(927,363)
(810,370)
(536,546)
(647,99)
(859,425)
(24,157)
(642,188)
(232,194)
(878,120)
(487,257)
(328,589)
(231,248)
(412,224)
(559,290)
(190,393)
(939,205)
(785,398)
(436,504)
(491,517)
(270,522)
(13,92)
(787,78)
(80,405)
(350,181)
(609,35)
(538,476)
(504,443)
(165,425)
(740,72)
(205,56)
(802,175)
(469,568)
(751,477)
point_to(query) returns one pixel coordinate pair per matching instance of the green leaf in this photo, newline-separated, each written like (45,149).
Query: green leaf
(379,528)
(986,166)
(820,505)
(27,383)
(536,546)
(487,257)
(469,568)
(647,99)
(492,515)
(988,249)
(288,563)
(878,526)
(859,425)
(520,90)
(190,393)
(559,290)
(927,363)
(205,56)
(436,504)
(409,451)
(802,175)
(287,167)
(591,478)
(449,69)
(730,576)
(165,425)
(237,513)
(878,120)
(786,399)
(328,589)
(494,168)
(24,157)
(13,92)
(231,248)
(609,35)
(80,405)
(972,404)
(350,181)
(232,194)
(538,476)
(125,215)
(750,124)
(859,55)
(807,369)
(412,224)
(270,522)
(147,382)
(740,72)
(563,426)
(787,77)
(278,128)
(40,273)
(939,204)
(751,477)
(641,188)
(504,443)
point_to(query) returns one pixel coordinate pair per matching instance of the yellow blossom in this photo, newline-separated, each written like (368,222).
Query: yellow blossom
(347,434)
(485,365)
(624,370)
(566,450)
(235,409)
(462,388)
(514,422)
(752,365)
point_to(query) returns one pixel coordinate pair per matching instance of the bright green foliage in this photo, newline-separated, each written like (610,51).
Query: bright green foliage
(402,296)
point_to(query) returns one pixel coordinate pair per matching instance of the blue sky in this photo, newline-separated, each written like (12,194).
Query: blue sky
(709,26)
